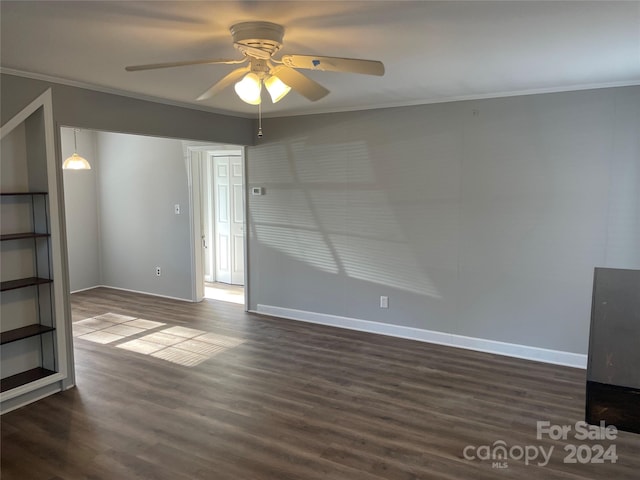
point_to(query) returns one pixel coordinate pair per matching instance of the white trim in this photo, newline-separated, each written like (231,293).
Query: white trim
(33,399)
(145,293)
(225,153)
(195,235)
(32,386)
(453,98)
(85,289)
(42,100)
(57,230)
(538,354)
(247,218)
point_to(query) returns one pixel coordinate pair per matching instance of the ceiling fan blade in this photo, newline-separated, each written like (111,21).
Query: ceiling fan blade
(300,83)
(230,78)
(334,64)
(153,66)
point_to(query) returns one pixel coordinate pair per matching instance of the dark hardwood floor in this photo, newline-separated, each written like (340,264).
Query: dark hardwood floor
(296,401)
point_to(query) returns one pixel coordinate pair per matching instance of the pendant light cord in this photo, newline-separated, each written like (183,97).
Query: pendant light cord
(75,140)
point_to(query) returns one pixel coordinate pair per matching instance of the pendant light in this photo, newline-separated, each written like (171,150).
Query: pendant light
(75,161)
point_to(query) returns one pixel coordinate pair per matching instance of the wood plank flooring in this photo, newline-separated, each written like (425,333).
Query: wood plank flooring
(294,401)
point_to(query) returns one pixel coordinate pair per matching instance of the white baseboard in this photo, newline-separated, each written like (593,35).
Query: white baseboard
(29,395)
(556,357)
(85,289)
(138,291)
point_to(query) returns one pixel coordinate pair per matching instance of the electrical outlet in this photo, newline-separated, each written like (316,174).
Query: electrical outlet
(384,301)
(158,272)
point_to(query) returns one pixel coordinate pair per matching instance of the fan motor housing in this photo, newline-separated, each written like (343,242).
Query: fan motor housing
(266,36)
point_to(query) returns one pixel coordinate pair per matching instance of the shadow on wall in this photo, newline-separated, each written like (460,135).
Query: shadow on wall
(315,196)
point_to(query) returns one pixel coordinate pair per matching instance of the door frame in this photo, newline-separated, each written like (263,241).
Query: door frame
(194,174)
(207,196)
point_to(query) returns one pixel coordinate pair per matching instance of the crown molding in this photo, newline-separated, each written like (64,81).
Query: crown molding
(123,93)
(459,98)
(315,111)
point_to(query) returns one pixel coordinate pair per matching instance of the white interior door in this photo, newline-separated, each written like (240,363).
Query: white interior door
(229,219)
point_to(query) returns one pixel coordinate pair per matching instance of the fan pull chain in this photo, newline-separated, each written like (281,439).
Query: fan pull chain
(260,120)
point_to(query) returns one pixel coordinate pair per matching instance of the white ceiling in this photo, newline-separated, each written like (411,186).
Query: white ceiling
(432,51)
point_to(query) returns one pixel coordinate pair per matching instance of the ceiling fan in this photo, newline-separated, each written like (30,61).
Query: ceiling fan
(258,42)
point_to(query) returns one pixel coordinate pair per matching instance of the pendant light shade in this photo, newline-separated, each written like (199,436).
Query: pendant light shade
(276,88)
(249,88)
(75,161)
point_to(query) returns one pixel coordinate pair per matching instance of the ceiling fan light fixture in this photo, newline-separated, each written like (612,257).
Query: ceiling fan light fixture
(258,42)
(276,88)
(249,88)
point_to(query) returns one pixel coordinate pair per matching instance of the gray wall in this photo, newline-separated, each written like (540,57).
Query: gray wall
(141,179)
(120,214)
(81,209)
(89,109)
(480,218)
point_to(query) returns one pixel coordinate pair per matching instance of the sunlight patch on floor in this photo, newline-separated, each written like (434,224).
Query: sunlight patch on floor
(224,293)
(180,345)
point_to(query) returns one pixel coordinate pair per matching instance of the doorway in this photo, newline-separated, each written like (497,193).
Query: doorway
(218,195)
(223,219)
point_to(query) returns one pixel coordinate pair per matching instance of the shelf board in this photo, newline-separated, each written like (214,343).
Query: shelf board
(18,236)
(19,194)
(24,332)
(23,378)
(23,282)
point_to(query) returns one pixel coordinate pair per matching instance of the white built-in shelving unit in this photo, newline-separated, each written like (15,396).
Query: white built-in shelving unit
(33,346)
